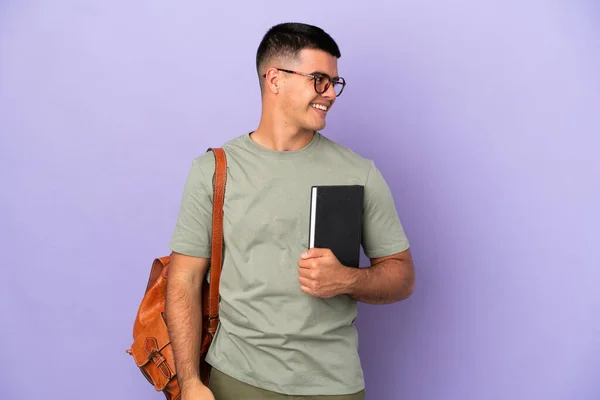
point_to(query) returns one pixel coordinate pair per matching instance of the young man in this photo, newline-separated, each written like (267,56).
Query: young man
(286,313)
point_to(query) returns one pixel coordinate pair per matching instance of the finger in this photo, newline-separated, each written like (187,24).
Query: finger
(304,273)
(310,263)
(309,273)
(307,290)
(305,282)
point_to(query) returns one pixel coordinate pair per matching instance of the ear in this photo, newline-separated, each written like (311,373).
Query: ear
(272,82)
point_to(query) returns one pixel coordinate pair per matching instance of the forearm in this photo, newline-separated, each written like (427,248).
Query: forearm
(184,320)
(386,282)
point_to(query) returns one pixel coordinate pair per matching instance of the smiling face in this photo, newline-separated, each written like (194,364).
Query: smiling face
(302,107)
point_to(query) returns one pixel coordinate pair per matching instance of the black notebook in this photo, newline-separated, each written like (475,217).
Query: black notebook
(336,221)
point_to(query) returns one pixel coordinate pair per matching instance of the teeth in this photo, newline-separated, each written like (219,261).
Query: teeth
(320,107)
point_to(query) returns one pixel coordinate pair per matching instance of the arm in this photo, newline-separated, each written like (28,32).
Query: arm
(184,315)
(388,279)
(192,237)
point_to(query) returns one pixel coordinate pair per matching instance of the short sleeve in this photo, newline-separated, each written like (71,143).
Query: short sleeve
(383,234)
(192,233)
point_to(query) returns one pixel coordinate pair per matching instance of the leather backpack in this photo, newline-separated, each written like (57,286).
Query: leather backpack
(151,348)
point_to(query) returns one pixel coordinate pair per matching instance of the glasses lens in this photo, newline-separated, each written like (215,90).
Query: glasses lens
(339,86)
(321,84)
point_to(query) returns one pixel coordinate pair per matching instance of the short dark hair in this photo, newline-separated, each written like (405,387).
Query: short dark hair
(289,38)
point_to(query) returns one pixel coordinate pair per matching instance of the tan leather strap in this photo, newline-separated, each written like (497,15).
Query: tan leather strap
(216,261)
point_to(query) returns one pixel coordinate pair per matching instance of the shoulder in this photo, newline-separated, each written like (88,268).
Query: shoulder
(203,167)
(345,155)
(205,163)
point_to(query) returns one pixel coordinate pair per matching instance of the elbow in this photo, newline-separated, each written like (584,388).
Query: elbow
(407,288)
(410,288)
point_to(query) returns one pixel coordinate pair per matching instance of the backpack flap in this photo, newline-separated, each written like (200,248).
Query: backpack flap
(153,354)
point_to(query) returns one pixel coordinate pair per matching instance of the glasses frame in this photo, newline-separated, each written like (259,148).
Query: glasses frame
(314,77)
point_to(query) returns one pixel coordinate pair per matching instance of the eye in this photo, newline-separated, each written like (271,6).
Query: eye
(318,78)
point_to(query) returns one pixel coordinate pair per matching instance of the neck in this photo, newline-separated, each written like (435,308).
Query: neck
(276,133)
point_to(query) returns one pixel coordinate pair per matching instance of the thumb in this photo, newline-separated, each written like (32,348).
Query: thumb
(313,253)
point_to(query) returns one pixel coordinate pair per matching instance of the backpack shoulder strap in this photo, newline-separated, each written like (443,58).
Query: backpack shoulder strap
(216,261)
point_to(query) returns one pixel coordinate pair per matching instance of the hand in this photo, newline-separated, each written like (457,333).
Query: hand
(322,274)
(196,390)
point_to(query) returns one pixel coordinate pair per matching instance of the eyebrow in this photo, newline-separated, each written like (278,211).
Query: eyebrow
(323,73)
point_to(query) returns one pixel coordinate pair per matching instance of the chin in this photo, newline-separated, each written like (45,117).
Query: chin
(317,126)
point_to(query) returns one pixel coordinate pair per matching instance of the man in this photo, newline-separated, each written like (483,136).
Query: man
(286,313)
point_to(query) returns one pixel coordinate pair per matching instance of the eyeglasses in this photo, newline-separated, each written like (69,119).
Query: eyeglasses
(321,81)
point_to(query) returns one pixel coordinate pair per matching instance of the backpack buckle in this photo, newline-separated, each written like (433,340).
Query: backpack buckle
(160,362)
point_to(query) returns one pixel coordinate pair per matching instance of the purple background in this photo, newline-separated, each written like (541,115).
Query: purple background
(484,117)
